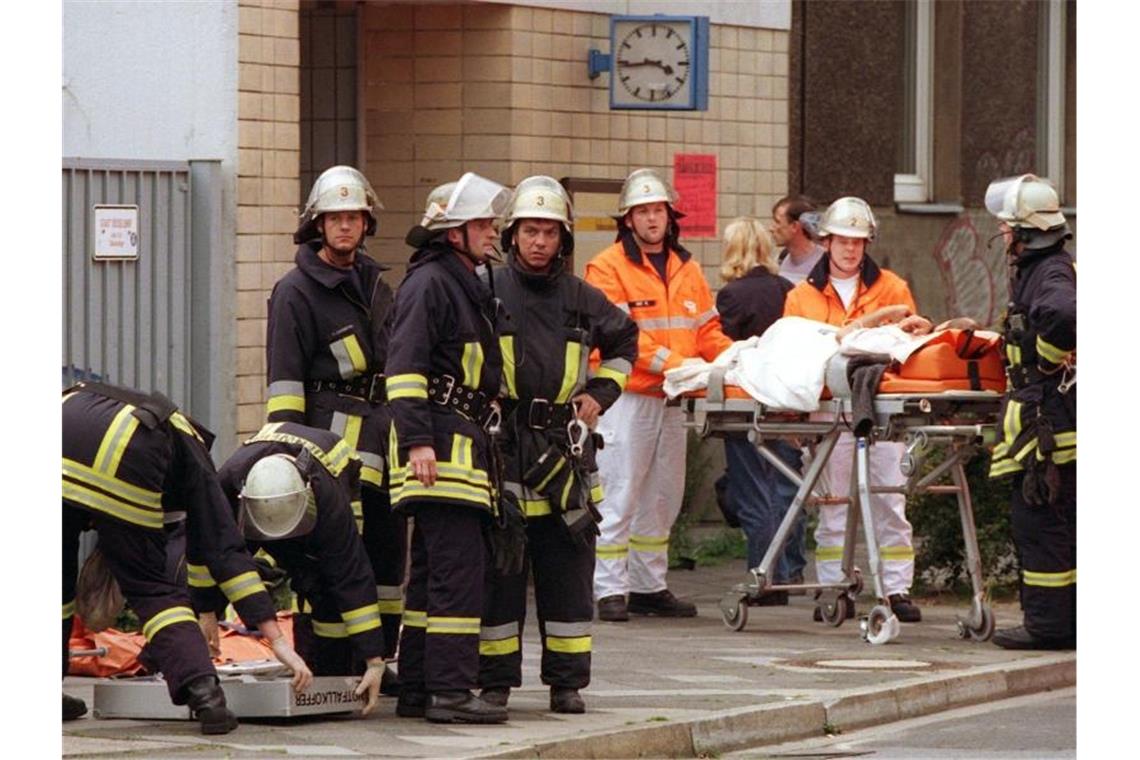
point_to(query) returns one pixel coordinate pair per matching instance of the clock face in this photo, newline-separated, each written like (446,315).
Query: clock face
(652,60)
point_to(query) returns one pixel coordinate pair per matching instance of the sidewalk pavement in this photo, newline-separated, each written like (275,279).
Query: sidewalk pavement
(661,688)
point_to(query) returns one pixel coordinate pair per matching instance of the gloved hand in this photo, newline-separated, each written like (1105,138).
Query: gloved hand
(508,536)
(208,622)
(285,654)
(370,684)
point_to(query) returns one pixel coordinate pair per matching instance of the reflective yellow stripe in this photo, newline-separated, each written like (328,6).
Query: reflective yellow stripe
(114,507)
(199,576)
(1064,456)
(1004,467)
(329,630)
(349,357)
(897,552)
(1066,439)
(141,497)
(409,385)
(462,453)
(472,364)
(352,424)
(453,625)
(390,606)
(507,345)
(653,544)
(414,619)
(621,378)
(169,616)
(69,607)
(828,553)
(597,494)
(574,645)
(241,586)
(358,514)
(1012,423)
(571,371)
(535,507)
(442,490)
(285,404)
(1026,449)
(611,551)
(1013,353)
(500,647)
(361,619)
(179,421)
(1051,353)
(372,475)
(354,353)
(1050,580)
(550,476)
(115,441)
(334,460)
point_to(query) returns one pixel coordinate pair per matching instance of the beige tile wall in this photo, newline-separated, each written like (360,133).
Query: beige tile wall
(268,172)
(503,91)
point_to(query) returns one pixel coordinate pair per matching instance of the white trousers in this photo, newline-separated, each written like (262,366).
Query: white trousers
(642,468)
(892,529)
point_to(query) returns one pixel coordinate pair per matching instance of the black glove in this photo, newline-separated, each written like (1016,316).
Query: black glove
(508,536)
(582,525)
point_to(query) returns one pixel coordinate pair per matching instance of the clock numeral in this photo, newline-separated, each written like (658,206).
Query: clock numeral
(626,44)
(680,80)
(679,47)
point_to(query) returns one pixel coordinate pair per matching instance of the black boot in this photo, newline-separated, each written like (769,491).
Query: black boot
(566,700)
(613,609)
(905,610)
(661,603)
(496,695)
(462,707)
(1021,638)
(389,683)
(411,703)
(73,707)
(207,702)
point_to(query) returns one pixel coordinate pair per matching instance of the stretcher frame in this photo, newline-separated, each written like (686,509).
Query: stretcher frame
(960,421)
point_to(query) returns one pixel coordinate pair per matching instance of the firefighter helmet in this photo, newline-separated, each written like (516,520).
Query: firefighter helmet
(1026,201)
(644,186)
(849,217)
(438,196)
(338,188)
(473,197)
(540,197)
(276,501)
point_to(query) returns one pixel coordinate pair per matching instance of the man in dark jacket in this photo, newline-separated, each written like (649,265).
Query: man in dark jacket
(134,467)
(1039,447)
(555,320)
(326,343)
(444,371)
(291,487)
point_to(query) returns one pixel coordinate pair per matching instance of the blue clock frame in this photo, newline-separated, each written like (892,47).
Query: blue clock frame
(698,84)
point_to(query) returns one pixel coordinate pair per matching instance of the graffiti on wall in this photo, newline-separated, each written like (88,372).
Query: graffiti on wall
(973,272)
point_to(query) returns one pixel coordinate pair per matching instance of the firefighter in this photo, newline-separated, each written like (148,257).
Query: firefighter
(551,407)
(845,286)
(444,370)
(326,344)
(292,488)
(1039,448)
(132,464)
(648,274)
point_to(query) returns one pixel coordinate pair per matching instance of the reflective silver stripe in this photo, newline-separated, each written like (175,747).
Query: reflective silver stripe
(368,459)
(618,365)
(339,423)
(623,305)
(567,630)
(666,323)
(389,592)
(708,316)
(512,487)
(499,632)
(343,361)
(660,356)
(286,388)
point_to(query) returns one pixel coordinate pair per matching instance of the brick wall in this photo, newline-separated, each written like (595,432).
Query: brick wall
(503,91)
(268,176)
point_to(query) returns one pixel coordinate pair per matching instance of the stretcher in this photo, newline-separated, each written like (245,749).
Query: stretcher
(924,415)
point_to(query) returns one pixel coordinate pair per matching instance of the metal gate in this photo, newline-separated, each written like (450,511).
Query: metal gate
(146,323)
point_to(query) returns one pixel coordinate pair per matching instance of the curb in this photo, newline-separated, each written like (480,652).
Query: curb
(774,724)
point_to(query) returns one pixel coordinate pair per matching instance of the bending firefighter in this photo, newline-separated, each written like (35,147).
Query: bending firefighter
(552,405)
(139,472)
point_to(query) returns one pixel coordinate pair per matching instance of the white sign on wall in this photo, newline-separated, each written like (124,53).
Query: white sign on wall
(116,232)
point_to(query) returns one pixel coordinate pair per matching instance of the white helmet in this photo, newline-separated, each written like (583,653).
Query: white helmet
(473,197)
(644,186)
(540,197)
(276,501)
(338,188)
(1026,201)
(849,217)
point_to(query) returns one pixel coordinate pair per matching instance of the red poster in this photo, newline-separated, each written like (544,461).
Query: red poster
(694,178)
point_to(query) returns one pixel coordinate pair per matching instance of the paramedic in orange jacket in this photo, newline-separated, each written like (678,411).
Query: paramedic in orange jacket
(844,286)
(647,274)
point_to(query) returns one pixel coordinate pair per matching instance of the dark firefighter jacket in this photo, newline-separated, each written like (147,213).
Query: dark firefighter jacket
(445,319)
(751,303)
(1039,422)
(128,463)
(329,324)
(329,562)
(553,322)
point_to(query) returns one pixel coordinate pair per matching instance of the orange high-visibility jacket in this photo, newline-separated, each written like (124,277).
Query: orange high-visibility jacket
(676,320)
(815,297)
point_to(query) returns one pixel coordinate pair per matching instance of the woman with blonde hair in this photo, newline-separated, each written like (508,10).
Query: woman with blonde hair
(753,491)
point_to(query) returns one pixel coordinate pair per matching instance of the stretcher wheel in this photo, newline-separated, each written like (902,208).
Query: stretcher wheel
(856,581)
(880,626)
(984,631)
(834,614)
(737,618)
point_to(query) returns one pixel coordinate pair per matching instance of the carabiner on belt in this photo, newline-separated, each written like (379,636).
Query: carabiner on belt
(577,431)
